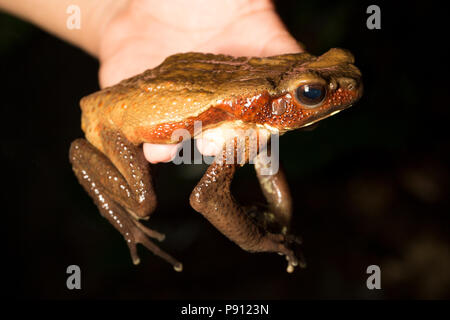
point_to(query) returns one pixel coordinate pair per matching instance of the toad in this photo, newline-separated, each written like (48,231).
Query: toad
(266,95)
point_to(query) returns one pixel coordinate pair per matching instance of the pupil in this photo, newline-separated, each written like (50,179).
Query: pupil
(312,93)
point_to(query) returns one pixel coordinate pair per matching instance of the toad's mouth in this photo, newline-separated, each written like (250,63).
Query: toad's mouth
(324,117)
(320,117)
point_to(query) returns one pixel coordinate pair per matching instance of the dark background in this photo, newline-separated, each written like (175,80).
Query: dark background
(370,185)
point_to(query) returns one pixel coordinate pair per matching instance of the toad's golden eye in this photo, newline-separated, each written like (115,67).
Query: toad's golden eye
(311,95)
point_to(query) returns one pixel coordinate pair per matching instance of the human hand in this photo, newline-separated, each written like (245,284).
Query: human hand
(143,33)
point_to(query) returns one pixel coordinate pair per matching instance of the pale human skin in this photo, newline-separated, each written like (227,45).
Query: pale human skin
(130,36)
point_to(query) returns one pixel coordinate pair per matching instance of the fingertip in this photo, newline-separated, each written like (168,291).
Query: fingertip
(207,147)
(282,44)
(155,153)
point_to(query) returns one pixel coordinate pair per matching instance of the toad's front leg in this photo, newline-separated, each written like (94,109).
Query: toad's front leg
(118,180)
(212,198)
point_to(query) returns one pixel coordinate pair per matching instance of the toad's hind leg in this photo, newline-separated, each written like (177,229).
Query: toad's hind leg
(212,198)
(121,188)
(276,191)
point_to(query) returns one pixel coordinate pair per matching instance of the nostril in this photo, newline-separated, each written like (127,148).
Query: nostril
(348,84)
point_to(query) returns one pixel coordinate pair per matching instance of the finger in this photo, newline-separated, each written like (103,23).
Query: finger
(280,41)
(283,43)
(208,147)
(155,153)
